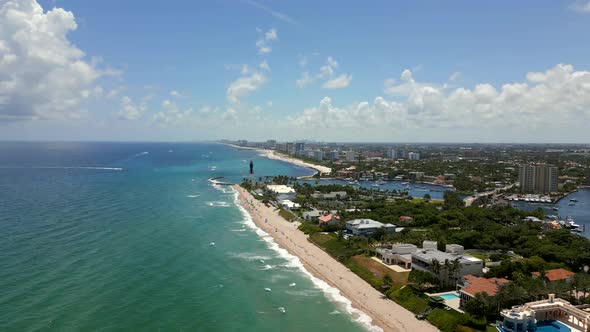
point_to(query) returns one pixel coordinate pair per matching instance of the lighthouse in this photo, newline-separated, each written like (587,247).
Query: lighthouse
(251,167)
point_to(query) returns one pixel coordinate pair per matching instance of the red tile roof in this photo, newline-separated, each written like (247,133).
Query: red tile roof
(476,285)
(328,218)
(405,218)
(556,274)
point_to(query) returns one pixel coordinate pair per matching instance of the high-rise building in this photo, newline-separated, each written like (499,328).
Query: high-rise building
(538,178)
(414,156)
(318,155)
(333,155)
(350,155)
(392,153)
(401,154)
(290,148)
(299,148)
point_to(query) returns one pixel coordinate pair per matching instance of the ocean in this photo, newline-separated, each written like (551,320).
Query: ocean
(133,237)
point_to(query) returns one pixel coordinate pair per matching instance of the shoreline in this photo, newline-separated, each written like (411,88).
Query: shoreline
(272,154)
(384,313)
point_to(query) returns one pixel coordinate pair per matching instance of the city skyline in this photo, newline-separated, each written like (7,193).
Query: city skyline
(423,72)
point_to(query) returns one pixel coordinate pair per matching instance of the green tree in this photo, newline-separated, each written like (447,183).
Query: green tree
(452,200)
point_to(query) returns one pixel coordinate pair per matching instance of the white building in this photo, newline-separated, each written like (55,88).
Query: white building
(399,254)
(350,155)
(392,153)
(290,204)
(280,189)
(426,259)
(414,156)
(553,312)
(367,226)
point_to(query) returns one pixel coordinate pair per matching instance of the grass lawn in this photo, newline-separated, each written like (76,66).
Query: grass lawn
(379,270)
(447,320)
(410,299)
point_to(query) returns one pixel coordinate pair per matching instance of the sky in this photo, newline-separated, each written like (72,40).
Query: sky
(351,71)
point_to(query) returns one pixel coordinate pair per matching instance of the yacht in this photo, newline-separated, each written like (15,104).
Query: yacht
(573,200)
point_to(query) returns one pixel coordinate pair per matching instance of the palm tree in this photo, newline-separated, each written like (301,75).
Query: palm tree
(455,268)
(435,267)
(447,269)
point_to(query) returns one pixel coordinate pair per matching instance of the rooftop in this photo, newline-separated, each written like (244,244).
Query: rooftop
(476,285)
(429,254)
(556,274)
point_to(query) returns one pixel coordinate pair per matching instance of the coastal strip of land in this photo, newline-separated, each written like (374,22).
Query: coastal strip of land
(385,313)
(271,154)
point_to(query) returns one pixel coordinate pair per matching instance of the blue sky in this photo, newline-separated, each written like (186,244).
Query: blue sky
(468,71)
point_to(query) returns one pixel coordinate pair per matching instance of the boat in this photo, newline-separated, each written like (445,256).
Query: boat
(573,200)
(405,183)
(572,203)
(555,208)
(381,182)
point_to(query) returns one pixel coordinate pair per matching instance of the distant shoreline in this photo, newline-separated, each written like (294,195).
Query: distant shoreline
(385,314)
(272,154)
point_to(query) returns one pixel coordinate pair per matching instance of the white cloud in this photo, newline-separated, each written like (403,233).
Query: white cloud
(42,75)
(339,82)
(454,77)
(281,16)
(263,43)
(116,92)
(327,70)
(556,98)
(171,113)
(244,86)
(581,6)
(326,74)
(175,94)
(264,65)
(130,110)
(304,81)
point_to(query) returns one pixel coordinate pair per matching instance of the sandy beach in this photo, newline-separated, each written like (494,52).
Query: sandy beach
(272,154)
(385,313)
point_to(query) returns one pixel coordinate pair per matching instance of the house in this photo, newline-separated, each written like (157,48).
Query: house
(399,254)
(328,220)
(311,215)
(290,205)
(406,219)
(367,226)
(556,275)
(280,189)
(441,263)
(471,285)
(331,195)
(552,314)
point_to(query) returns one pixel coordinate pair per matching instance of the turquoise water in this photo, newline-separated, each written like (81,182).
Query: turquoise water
(449,296)
(113,237)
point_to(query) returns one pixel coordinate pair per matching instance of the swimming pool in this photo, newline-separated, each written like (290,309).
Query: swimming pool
(551,326)
(449,296)
(547,326)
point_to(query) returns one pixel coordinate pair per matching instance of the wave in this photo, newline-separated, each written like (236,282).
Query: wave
(192,196)
(250,257)
(332,293)
(218,204)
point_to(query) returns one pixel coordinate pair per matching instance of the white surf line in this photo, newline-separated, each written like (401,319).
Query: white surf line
(331,293)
